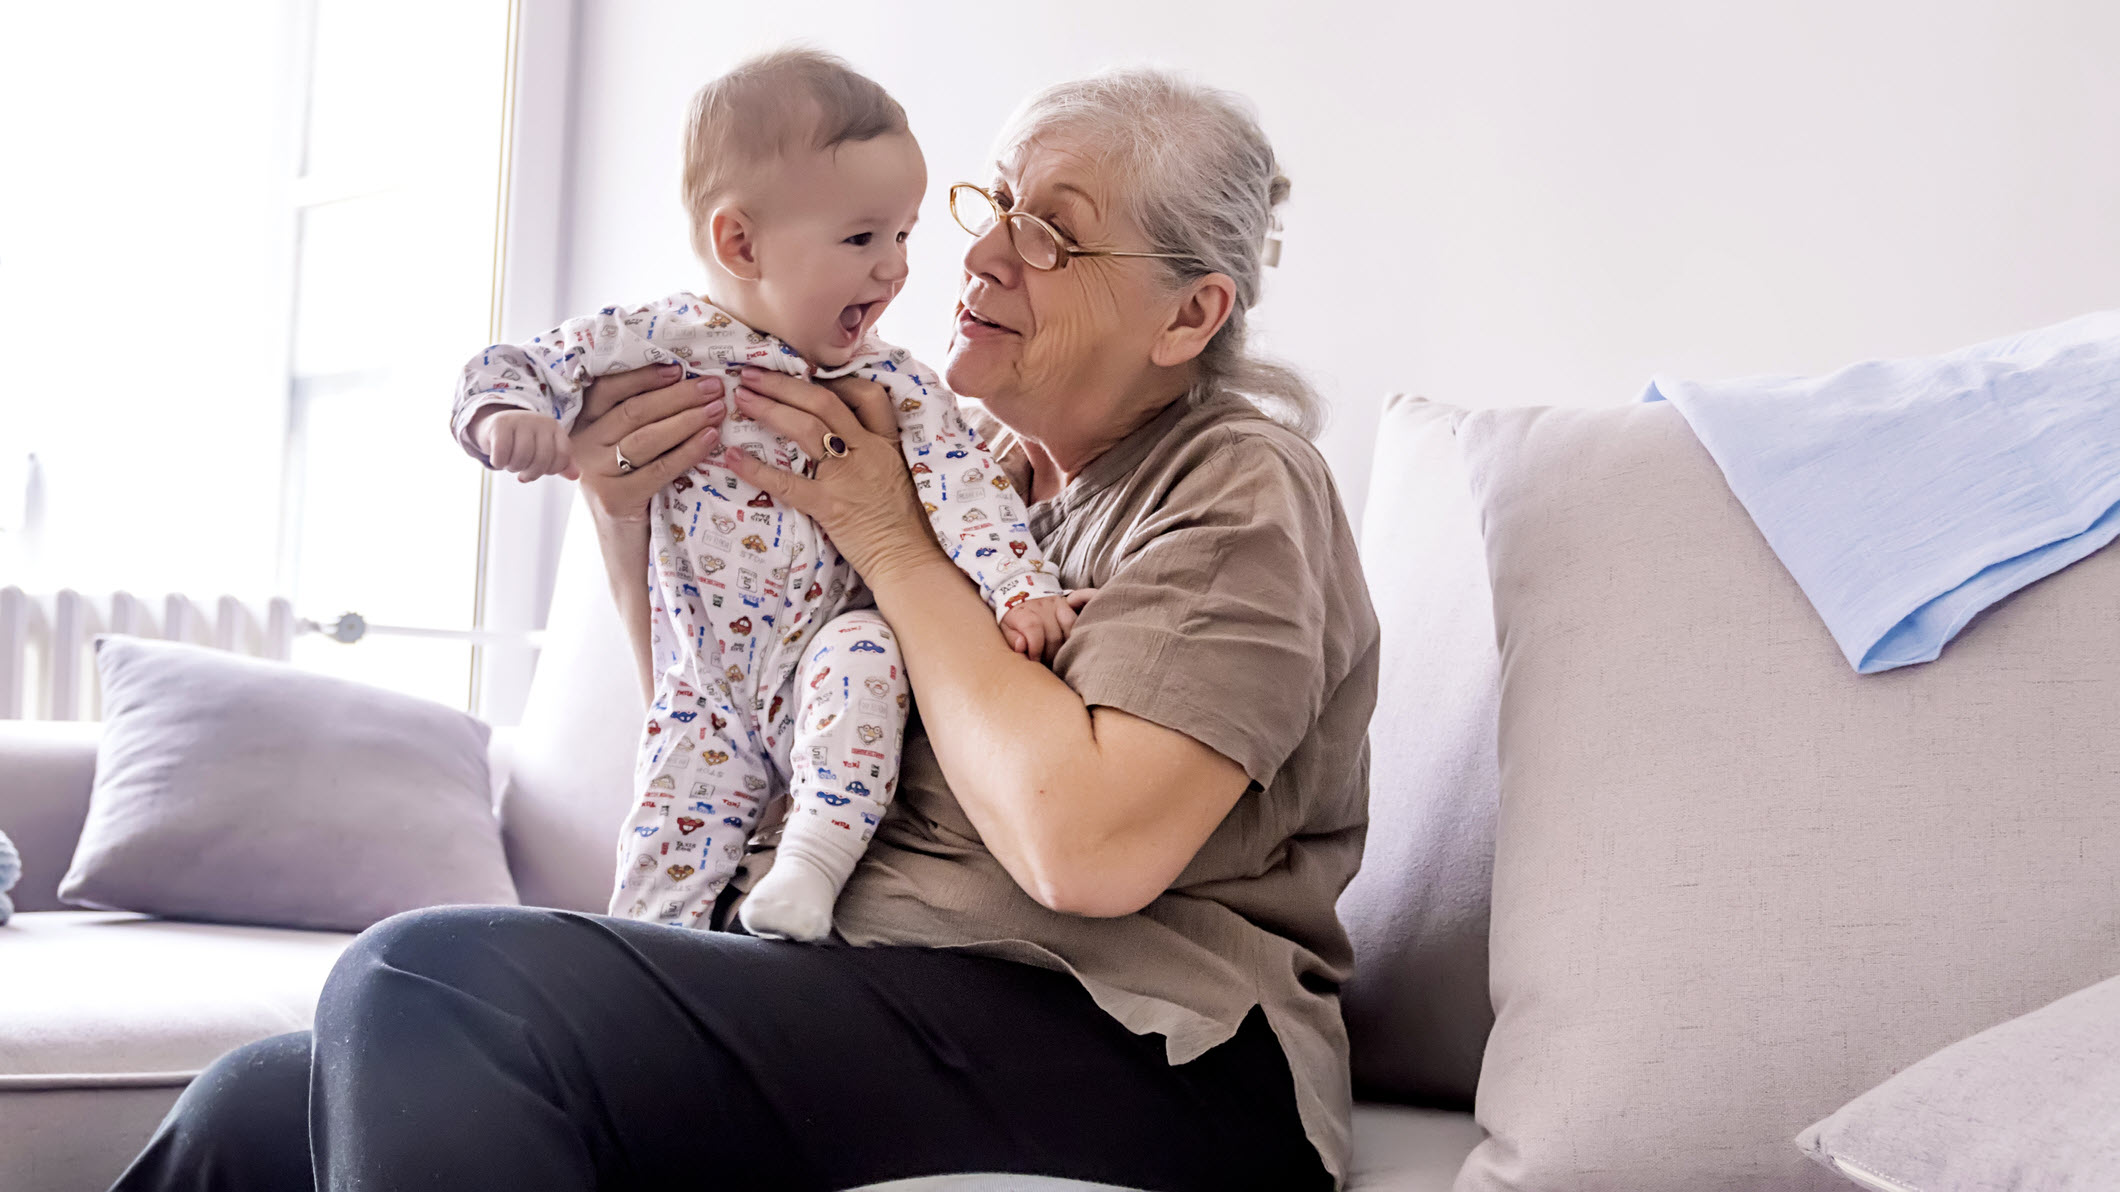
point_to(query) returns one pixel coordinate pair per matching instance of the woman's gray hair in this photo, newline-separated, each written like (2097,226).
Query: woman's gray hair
(1200,179)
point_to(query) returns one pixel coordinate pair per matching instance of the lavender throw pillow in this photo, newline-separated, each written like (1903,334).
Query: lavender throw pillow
(240,791)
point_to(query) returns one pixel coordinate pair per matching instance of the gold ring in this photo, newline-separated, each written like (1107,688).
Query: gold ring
(834,446)
(624,465)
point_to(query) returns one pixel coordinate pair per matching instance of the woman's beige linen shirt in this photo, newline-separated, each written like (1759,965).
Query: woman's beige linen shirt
(1231,608)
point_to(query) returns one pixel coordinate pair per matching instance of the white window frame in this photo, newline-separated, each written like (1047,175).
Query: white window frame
(521,525)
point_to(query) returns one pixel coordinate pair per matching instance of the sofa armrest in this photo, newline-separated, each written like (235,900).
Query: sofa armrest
(46,770)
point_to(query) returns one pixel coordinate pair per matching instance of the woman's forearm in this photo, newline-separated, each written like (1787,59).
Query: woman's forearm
(1026,759)
(625,551)
(995,718)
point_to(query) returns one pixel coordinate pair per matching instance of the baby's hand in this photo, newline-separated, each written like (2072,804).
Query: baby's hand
(1037,628)
(526,443)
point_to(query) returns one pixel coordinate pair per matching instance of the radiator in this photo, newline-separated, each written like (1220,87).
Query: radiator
(47,666)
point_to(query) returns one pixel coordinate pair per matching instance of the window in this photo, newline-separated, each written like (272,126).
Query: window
(254,254)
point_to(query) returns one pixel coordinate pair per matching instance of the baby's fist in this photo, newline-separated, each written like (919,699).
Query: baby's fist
(524,442)
(1038,628)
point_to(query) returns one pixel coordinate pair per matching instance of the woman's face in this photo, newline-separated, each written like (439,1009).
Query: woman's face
(1062,353)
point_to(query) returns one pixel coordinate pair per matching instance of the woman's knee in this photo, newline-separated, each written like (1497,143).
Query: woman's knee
(421,939)
(473,950)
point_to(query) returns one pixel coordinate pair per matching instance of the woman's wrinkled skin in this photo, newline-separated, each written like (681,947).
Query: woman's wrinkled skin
(1086,353)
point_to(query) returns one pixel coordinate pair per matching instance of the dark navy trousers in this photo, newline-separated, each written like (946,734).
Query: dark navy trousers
(468,1048)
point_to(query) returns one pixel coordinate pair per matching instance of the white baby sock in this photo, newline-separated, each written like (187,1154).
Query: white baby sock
(794,900)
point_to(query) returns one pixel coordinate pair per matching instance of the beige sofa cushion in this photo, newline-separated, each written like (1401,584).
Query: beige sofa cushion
(1416,1009)
(1735,883)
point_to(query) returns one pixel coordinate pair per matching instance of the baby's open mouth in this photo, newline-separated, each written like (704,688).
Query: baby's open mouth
(850,318)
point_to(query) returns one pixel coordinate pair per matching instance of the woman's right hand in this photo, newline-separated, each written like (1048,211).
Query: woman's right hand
(663,424)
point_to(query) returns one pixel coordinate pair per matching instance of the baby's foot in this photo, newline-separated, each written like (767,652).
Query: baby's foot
(792,901)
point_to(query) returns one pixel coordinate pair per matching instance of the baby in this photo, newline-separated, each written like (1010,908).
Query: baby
(773,670)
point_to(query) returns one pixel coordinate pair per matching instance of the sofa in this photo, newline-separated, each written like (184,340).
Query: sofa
(1652,880)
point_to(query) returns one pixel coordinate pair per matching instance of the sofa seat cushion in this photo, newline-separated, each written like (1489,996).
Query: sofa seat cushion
(108,1015)
(1396,1149)
(107,999)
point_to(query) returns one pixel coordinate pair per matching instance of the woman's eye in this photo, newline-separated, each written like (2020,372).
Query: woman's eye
(860,239)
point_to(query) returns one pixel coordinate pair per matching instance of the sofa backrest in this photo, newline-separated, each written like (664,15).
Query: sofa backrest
(46,770)
(570,774)
(1417,1009)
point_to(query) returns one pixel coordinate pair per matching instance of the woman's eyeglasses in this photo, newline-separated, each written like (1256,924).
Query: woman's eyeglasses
(1041,245)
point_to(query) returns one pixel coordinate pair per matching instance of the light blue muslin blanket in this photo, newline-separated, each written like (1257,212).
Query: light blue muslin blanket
(1907,495)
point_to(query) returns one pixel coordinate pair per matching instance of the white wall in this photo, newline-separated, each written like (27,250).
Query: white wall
(1496,203)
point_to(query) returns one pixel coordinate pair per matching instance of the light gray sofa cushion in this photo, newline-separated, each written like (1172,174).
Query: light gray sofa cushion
(1396,1149)
(2031,1104)
(241,791)
(1400,1149)
(105,1017)
(1735,883)
(120,997)
(1417,1011)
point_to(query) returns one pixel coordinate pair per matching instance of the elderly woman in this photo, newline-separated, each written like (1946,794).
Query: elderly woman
(1095,935)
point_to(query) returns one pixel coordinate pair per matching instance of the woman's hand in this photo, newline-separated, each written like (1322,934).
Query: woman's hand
(864,499)
(662,424)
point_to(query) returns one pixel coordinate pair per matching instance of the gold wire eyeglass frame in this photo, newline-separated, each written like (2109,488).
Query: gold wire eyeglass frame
(1062,248)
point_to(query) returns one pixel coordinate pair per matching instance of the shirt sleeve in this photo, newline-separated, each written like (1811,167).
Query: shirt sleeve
(976,514)
(1214,622)
(549,373)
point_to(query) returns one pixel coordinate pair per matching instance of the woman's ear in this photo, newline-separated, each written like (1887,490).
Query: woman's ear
(1200,312)
(734,245)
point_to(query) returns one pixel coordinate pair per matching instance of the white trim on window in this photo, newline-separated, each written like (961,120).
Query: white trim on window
(521,524)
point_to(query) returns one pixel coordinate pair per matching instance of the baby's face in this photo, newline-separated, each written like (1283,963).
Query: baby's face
(831,236)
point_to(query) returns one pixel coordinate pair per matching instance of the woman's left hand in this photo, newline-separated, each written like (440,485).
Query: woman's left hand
(863,499)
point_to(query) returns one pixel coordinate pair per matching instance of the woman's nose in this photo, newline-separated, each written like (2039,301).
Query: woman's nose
(992,259)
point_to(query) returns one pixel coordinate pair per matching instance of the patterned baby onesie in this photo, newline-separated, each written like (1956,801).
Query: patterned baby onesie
(773,671)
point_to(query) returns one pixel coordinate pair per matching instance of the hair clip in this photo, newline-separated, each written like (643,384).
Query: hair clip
(1271,255)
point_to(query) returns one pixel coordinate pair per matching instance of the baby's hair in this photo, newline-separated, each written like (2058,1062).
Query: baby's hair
(771,105)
